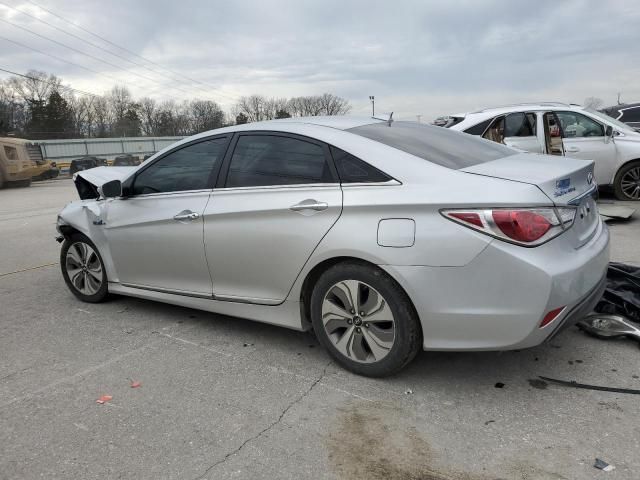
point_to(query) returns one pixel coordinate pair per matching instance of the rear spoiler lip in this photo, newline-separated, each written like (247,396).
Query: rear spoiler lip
(592,192)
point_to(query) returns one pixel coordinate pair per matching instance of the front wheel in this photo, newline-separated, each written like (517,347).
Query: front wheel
(364,319)
(627,182)
(83,270)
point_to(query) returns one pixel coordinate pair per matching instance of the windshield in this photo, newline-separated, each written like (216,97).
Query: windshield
(444,147)
(616,123)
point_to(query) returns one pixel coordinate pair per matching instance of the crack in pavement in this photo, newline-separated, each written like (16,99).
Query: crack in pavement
(269,427)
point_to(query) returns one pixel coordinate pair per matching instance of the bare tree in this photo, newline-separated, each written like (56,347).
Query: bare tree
(149,116)
(593,102)
(205,115)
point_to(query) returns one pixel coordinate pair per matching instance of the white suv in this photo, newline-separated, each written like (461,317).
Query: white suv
(563,129)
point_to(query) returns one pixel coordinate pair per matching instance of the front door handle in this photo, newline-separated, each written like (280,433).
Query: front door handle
(572,149)
(309,204)
(186,216)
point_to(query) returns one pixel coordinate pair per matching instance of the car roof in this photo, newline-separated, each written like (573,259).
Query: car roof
(477,116)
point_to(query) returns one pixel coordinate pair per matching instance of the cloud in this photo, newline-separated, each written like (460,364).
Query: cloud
(416,57)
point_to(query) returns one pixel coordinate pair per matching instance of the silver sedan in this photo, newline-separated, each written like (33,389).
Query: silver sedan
(383,237)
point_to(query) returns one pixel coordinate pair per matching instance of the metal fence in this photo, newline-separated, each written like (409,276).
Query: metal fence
(64,151)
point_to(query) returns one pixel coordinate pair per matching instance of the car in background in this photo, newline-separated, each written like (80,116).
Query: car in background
(86,163)
(625,113)
(126,161)
(384,237)
(20,160)
(566,130)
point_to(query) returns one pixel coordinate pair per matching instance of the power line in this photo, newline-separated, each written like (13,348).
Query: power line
(80,27)
(87,41)
(50,83)
(87,54)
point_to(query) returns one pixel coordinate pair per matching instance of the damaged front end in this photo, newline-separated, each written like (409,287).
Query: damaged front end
(88,182)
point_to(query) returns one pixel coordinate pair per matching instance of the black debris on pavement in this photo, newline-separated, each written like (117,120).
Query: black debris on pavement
(537,383)
(499,385)
(602,465)
(574,384)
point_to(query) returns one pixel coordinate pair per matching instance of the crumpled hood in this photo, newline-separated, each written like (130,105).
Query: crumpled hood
(100,175)
(88,181)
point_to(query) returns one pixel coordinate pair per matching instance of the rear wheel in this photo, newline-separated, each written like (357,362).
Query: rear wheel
(627,182)
(364,319)
(83,270)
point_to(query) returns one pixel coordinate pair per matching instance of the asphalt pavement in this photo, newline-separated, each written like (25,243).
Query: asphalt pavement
(223,397)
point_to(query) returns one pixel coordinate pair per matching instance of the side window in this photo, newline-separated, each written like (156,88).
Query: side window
(186,169)
(264,160)
(576,125)
(353,170)
(519,125)
(11,153)
(495,132)
(479,128)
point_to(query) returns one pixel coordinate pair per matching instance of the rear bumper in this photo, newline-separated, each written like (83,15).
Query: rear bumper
(581,309)
(498,300)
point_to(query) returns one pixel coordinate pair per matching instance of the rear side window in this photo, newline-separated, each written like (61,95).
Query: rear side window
(479,128)
(188,168)
(11,153)
(520,125)
(353,170)
(441,146)
(266,160)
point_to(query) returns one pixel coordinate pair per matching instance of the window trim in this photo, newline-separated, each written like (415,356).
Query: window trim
(128,184)
(224,170)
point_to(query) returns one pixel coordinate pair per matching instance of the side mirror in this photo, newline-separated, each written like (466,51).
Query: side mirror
(111,189)
(608,134)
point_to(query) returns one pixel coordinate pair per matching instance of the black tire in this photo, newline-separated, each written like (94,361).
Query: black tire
(407,337)
(20,183)
(91,297)
(617,183)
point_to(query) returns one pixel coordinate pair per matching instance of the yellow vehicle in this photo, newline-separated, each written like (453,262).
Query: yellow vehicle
(21,161)
(16,167)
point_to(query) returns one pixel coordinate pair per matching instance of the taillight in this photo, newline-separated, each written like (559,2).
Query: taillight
(523,226)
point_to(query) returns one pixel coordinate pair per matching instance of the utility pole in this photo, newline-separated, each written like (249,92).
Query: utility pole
(373,105)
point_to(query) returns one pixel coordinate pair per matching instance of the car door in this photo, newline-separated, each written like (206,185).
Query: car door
(520,132)
(584,138)
(155,232)
(278,196)
(517,129)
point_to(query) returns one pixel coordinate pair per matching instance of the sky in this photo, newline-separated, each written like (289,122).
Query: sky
(425,58)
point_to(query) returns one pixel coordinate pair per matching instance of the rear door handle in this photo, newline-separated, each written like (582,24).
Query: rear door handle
(309,204)
(186,216)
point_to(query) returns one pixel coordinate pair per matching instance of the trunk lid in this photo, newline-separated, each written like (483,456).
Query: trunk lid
(566,181)
(562,179)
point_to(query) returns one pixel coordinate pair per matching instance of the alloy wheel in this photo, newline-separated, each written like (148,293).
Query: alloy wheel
(630,183)
(84,268)
(358,321)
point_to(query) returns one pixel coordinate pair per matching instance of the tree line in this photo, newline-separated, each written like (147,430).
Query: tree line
(38,106)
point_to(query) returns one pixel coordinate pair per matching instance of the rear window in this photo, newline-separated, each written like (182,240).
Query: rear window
(443,147)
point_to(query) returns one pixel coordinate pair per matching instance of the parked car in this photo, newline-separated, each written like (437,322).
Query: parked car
(383,237)
(563,129)
(16,165)
(126,161)
(86,163)
(626,113)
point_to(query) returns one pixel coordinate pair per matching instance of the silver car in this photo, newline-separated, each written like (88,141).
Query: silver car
(383,237)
